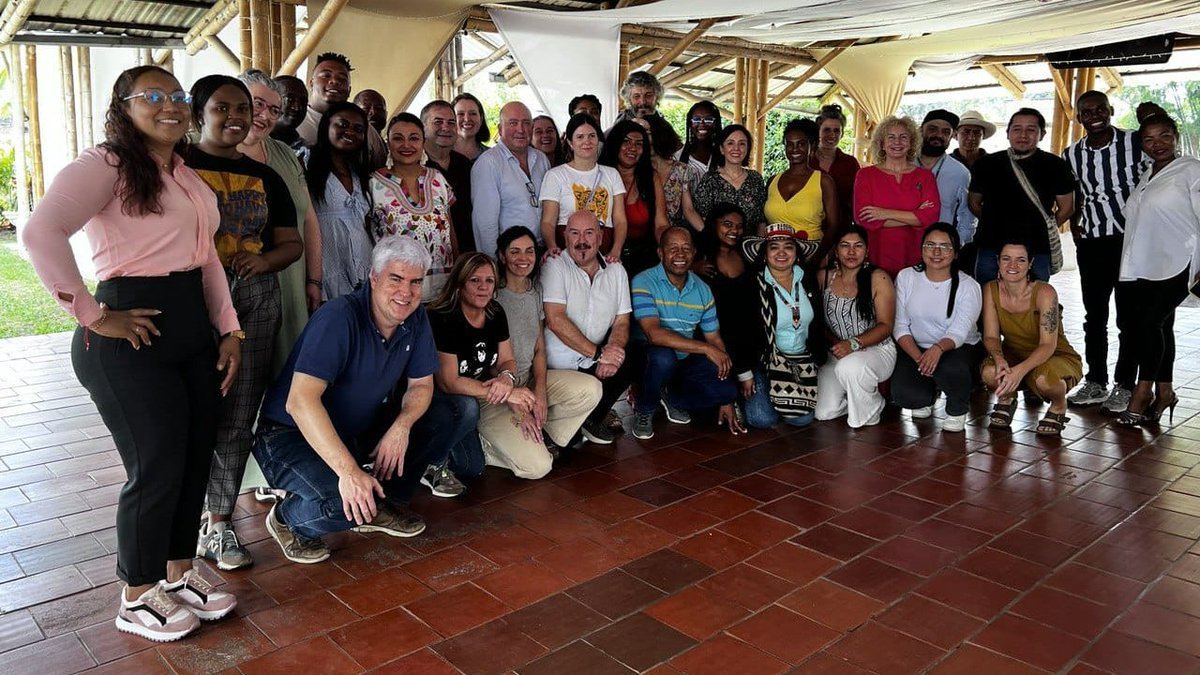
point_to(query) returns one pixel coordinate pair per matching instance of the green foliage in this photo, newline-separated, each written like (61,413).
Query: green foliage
(1181,100)
(8,181)
(28,309)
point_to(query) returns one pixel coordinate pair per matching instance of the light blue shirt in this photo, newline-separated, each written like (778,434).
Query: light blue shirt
(952,180)
(681,310)
(502,196)
(789,338)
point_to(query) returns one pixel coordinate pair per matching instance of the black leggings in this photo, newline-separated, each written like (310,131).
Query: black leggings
(160,403)
(1151,305)
(956,372)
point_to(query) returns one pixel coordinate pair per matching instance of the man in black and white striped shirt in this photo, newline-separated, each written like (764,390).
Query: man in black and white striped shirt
(1106,163)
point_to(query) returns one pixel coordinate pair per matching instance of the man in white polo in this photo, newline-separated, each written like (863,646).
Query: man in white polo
(586,302)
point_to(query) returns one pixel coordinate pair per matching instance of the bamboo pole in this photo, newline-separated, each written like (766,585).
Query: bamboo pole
(211,23)
(287,32)
(84,61)
(316,31)
(13,18)
(692,98)
(641,56)
(1057,122)
(1062,88)
(777,70)
(750,97)
(66,66)
(739,90)
(37,182)
(16,85)
(694,68)
(806,75)
(481,65)
(1005,78)
(1080,87)
(760,114)
(245,36)
(680,46)
(276,36)
(260,34)
(459,64)
(624,67)
(224,50)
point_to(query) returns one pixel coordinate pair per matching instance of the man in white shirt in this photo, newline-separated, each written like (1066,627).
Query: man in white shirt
(586,302)
(506,181)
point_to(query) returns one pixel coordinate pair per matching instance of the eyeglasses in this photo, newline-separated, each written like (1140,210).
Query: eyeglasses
(704,120)
(533,200)
(260,105)
(933,247)
(157,97)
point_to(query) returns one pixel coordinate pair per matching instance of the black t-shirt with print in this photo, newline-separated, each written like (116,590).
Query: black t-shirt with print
(476,349)
(253,200)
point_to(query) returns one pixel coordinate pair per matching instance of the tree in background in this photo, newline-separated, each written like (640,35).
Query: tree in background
(1181,100)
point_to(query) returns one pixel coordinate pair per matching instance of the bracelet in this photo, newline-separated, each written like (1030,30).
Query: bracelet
(509,374)
(316,282)
(93,326)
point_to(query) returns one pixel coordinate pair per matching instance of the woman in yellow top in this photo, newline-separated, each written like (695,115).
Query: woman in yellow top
(804,198)
(1023,335)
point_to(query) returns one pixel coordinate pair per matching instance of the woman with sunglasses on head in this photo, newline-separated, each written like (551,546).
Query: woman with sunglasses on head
(937,312)
(583,184)
(300,283)
(730,181)
(145,347)
(859,303)
(338,174)
(413,199)
(256,239)
(1023,336)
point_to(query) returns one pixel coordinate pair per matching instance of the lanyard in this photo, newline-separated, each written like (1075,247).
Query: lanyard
(794,306)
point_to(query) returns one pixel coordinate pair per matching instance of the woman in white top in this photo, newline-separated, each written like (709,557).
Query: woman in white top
(1160,260)
(583,184)
(937,309)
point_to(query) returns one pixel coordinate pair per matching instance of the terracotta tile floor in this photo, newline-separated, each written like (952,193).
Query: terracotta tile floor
(894,549)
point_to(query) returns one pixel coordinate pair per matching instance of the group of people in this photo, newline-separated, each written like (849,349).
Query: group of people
(369,304)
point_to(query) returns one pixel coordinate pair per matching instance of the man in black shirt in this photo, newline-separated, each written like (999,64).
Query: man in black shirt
(440,131)
(1003,206)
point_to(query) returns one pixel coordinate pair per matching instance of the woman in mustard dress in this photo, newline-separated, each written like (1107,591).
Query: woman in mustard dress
(1023,336)
(802,197)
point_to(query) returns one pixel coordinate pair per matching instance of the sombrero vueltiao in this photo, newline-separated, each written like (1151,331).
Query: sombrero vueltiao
(805,248)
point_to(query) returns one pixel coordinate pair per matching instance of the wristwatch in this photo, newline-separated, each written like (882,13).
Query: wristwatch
(599,353)
(855,345)
(239,335)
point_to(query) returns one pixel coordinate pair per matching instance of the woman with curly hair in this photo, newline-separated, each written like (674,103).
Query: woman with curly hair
(144,348)
(894,199)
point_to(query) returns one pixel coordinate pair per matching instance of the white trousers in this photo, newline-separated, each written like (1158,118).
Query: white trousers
(570,398)
(850,386)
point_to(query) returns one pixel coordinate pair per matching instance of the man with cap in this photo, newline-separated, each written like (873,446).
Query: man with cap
(952,176)
(972,129)
(1107,164)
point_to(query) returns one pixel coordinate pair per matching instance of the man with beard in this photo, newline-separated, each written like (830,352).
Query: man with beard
(506,180)
(330,83)
(440,132)
(672,306)
(641,93)
(1107,162)
(952,177)
(373,104)
(295,103)
(1004,207)
(586,302)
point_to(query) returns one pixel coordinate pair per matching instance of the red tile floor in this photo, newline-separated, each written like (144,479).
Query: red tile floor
(893,549)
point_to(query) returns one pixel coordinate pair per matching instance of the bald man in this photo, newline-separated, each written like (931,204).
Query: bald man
(506,180)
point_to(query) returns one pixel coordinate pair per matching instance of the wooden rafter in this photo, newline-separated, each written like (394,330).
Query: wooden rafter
(224,50)
(806,76)
(13,18)
(776,70)
(316,31)
(641,56)
(684,42)
(689,96)
(1113,79)
(1063,91)
(480,65)
(1006,78)
(211,23)
(693,69)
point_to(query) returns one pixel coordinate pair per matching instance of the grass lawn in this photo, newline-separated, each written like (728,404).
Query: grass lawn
(25,307)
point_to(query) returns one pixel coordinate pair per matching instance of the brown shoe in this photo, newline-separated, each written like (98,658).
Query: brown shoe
(394,520)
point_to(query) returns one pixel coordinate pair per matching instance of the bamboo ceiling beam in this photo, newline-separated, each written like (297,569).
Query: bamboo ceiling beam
(684,42)
(474,35)
(224,51)
(776,70)
(316,31)
(211,23)
(805,76)
(1006,78)
(693,69)
(480,65)
(1113,79)
(1063,90)
(13,18)
(692,98)
(642,55)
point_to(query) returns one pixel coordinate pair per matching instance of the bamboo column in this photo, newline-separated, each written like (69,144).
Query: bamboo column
(287,31)
(1081,85)
(245,37)
(276,36)
(739,90)
(1057,123)
(260,35)
(67,67)
(35,123)
(20,165)
(760,115)
(83,59)
(623,67)
(317,27)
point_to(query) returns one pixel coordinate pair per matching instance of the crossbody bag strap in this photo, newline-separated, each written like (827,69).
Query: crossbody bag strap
(1052,236)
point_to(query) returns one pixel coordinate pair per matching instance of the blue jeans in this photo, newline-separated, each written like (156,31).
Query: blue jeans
(313,506)
(693,380)
(760,414)
(455,420)
(987,266)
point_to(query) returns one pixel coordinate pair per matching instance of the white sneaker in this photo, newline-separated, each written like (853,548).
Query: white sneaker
(155,616)
(955,423)
(922,413)
(195,593)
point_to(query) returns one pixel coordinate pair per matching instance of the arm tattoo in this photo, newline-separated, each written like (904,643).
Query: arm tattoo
(1050,320)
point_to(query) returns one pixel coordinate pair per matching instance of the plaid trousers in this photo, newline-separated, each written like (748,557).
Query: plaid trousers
(258,305)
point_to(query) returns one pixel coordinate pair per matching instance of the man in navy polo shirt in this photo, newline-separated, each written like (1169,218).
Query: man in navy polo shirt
(350,357)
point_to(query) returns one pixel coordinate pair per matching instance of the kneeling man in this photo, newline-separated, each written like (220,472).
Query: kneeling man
(350,357)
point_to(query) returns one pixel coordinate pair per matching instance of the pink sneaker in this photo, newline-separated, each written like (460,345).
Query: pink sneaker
(155,616)
(195,593)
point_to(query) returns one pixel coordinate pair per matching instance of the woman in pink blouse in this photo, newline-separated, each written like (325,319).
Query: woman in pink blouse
(893,198)
(145,348)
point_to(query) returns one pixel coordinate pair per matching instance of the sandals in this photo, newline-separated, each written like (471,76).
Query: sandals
(1052,424)
(1002,414)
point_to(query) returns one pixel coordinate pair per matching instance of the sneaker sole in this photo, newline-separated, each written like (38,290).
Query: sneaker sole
(283,549)
(645,437)
(203,552)
(440,493)
(388,531)
(594,439)
(209,614)
(1088,401)
(673,420)
(127,626)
